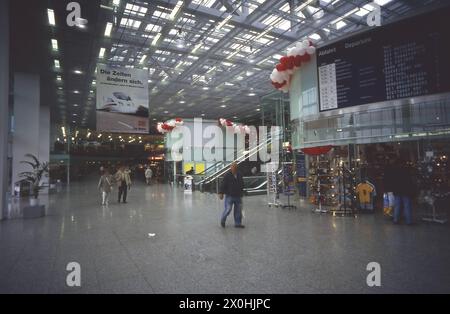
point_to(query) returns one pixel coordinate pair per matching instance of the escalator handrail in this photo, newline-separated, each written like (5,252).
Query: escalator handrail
(238,160)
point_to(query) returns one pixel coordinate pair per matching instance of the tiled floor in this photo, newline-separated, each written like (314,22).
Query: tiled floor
(280,251)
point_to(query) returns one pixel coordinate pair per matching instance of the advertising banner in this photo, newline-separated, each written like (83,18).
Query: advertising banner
(122,100)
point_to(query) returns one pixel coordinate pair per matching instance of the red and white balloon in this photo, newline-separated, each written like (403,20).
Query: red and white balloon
(168,126)
(281,75)
(236,128)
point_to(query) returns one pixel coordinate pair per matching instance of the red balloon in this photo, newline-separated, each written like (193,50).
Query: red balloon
(284,60)
(298,61)
(289,63)
(306,58)
(281,67)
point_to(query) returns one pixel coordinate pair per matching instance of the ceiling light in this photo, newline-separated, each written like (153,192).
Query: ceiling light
(55,44)
(51,17)
(225,21)
(76,92)
(197,47)
(77,72)
(143,59)
(175,10)
(252,94)
(382,2)
(205,88)
(108,29)
(58,78)
(155,40)
(182,102)
(56,62)
(116,3)
(101,54)
(223,106)
(75,105)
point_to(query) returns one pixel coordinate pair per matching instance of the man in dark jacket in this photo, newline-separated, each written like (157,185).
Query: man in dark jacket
(404,190)
(233,188)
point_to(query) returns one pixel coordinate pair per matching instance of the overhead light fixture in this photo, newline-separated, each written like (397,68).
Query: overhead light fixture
(143,59)
(175,10)
(223,106)
(252,94)
(76,92)
(55,44)
(58,78)
(77,72)
(116,3)
(56,62)
(51,17)
(75,105)
(197,47)
(205,88)
(155,40)
(108,29)
(225,21)
(101,54)
(63,130)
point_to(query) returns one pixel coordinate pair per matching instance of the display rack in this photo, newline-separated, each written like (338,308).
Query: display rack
(288,184)
(346,192)
(433,182)
(272,185)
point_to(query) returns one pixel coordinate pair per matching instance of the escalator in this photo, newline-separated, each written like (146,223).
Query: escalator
(254,185)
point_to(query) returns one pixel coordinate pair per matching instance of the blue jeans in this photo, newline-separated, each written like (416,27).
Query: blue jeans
(229,202)
(406,202)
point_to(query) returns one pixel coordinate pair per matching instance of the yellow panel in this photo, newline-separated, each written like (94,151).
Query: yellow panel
(188,166)
(199,167)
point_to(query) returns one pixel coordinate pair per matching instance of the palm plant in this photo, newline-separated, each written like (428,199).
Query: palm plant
(34,177)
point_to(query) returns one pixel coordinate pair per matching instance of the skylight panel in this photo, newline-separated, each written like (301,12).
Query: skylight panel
(153,28)
(130,23)
(131,9)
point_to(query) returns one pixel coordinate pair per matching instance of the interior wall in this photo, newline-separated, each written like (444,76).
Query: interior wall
(4,104)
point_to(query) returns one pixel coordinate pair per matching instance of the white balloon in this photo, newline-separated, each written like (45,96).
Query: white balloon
(311,50)
(299,45)
(291,52)
(305,43)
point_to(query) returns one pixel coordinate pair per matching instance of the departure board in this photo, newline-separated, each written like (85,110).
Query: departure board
(401,60)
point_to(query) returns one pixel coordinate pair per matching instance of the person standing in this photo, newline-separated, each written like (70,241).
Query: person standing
(404,191)
(233,188)
(105,186)
(123,180)
(148,175)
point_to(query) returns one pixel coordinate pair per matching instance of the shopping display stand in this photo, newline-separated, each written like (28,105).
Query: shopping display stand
(288,184)
(319,209)
(434,217)
(288,193)
(272,185)
(344,209)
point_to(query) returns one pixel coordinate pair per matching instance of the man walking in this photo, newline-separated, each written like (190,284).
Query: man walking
(404,190)
(123,180)
(148,175)
(233,188)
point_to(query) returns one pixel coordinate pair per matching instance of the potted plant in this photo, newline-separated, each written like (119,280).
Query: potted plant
(34,178)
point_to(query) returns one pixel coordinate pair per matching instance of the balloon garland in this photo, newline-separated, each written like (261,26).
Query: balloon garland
(168,126)
(281,75)
(237,128)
